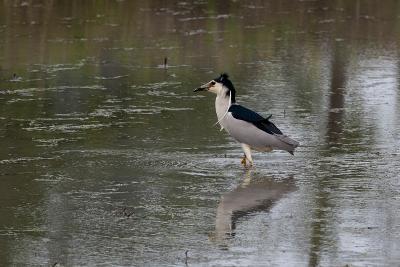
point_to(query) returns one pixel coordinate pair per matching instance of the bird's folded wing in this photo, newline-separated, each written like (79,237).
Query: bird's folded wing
(241,113)
(268,127)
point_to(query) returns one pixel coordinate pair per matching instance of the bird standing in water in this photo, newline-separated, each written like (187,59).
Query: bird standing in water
(246,126)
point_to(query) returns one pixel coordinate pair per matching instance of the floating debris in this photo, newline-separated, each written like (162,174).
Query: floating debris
(15,78)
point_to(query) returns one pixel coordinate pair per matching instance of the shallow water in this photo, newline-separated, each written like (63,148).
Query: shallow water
(108,158)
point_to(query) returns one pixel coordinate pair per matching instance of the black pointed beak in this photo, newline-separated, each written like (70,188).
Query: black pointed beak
(204,87)
(199,89)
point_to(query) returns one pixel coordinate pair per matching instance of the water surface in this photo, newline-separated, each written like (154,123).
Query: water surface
(108,158)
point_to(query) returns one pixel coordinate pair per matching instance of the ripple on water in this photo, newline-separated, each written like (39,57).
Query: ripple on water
(53,178)
(54,142)
(25,159)
(73,128)
(52,68)
(111,77)
(217,17)
(157,85)
(31,91)
(114,111)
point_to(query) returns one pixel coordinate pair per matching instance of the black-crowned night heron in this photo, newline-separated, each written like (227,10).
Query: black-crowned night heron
(246,126)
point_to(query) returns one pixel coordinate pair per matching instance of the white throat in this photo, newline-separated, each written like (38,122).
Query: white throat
(222,104)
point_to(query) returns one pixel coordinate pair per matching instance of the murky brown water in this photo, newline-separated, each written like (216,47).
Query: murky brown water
(108,158)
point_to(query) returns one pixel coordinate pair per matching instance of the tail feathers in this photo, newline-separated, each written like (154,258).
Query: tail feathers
(288,141)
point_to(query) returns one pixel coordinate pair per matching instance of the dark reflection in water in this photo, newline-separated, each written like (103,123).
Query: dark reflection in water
(254,194)
(92,124)
(337,95)
(334,133)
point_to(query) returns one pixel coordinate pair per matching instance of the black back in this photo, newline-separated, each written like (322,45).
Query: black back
(245,114)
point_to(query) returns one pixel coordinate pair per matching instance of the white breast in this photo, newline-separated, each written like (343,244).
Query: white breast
(221,106)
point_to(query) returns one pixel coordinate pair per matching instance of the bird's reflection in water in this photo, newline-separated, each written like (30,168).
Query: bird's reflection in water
(254,194)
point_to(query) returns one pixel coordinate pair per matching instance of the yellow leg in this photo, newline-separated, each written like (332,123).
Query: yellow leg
(247,155)
(243,161)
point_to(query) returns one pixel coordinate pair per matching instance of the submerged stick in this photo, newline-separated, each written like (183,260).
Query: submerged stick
(186,257)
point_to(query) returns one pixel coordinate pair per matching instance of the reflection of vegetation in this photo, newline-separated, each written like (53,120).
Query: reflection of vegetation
(67,31)
(336,97)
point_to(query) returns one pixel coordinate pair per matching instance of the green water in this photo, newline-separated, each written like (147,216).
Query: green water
(108,158)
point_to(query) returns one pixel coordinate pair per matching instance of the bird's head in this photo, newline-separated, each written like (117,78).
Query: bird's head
(220,86)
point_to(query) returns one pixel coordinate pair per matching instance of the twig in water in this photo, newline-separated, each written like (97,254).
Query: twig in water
(186,257)
(165,62)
